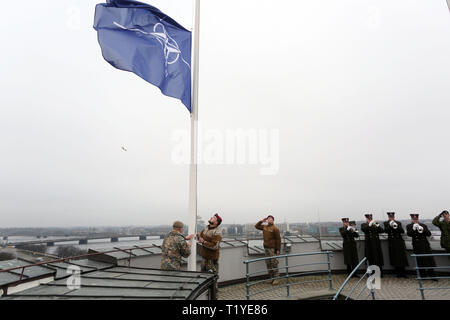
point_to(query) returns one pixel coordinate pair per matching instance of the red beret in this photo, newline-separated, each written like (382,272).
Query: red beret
(219,219)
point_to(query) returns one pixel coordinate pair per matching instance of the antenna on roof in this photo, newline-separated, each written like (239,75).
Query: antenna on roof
(320,225)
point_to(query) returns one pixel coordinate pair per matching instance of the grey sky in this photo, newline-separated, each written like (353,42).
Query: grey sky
(359,90)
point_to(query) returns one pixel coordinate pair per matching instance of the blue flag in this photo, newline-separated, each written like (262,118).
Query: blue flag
(137,37)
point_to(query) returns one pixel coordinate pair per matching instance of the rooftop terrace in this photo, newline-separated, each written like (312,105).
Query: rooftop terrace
(392,288)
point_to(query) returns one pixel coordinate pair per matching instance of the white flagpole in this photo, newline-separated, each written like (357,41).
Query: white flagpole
(192,260)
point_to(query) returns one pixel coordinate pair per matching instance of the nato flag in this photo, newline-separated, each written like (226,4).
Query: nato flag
(137,37)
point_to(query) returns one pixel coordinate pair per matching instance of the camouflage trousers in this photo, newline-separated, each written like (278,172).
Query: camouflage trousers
(210,265)
(170,264)
(272,264)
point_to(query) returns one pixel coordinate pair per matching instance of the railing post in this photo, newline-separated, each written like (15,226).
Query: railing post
(129,259)
(419,277)
(287,277)
(329,271)
(248,281)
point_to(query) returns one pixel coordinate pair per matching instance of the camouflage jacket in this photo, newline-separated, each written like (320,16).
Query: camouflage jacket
(174,248)
(445,231)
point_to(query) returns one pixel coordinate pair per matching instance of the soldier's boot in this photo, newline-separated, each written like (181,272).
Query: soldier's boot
(270,277)
(275,281)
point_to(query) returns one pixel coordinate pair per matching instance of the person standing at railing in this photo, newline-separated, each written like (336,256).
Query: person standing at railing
(209,239)
(442,221)
(272,246)
(419,233)
(372,244)
(397,247)
(349,233)
(175,247)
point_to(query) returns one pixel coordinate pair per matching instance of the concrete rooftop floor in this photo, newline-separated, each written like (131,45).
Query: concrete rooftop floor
(392,288)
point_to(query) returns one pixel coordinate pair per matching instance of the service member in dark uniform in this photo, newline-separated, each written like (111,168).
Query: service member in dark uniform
(349,233)
(397,247)
(372,244)
(419,233)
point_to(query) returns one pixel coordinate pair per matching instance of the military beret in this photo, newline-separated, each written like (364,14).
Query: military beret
(219,219)
(270,216)
(444,212)
(178,225)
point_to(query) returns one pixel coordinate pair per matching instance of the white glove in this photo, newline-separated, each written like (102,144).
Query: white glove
(393,224)
(349,228)
(420,229)
(415,225)
(371,223)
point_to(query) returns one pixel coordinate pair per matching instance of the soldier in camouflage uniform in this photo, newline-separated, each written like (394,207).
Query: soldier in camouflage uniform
(272,247)
(442,221)
(175,247)
(209,239)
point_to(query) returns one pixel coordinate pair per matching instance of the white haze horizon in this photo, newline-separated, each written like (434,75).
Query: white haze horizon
(357,90)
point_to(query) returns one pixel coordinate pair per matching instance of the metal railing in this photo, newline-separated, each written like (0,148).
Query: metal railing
(287,275)
(420,278)
(368,273)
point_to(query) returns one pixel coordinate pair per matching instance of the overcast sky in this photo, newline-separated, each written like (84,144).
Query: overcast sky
(358,90)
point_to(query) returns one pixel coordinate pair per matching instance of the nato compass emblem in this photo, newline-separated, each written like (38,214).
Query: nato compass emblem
(171,50)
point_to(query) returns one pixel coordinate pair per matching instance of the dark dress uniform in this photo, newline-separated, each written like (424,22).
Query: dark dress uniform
(421,246)
(350,250)
(372,244)
(397,247)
